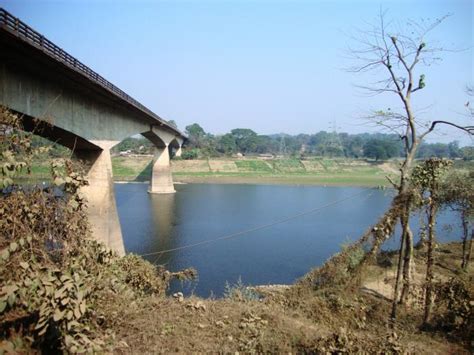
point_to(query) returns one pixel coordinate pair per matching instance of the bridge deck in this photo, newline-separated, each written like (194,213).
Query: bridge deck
(26,34)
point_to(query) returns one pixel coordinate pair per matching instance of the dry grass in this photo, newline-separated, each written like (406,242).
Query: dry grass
(223,165)
(190,166)
(287,320)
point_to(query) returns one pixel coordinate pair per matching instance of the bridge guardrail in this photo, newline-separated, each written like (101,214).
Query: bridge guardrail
(28,34)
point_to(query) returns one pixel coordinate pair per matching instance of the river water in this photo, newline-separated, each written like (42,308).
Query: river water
(278,254)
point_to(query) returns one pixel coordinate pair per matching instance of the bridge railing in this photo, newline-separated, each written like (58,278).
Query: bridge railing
(23,31)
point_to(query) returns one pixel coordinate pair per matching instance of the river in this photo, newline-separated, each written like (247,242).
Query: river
(277,254)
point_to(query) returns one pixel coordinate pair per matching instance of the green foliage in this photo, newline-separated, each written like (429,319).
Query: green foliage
(16,150)
(190,154)
(354,255)
(427,175)
(457,192)
(226,144)
(173,123)
(380,149)
(245,139)
(135,145)
(421,81)
(440,150)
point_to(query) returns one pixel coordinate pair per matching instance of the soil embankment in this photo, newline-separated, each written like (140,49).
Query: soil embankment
(294,318)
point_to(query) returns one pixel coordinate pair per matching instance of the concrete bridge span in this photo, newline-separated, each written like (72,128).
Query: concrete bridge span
(63,100)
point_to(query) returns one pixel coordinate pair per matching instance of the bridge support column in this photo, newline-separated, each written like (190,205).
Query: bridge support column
(161,178)
(178,151)
(102,210)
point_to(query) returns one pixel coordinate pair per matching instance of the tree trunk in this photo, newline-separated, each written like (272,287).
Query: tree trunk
(408,265)
(469,249)
(421,245)
(464,241)
(430,261)
(396,291)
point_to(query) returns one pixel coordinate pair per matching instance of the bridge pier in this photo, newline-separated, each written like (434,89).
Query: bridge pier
(178,151)
(102,210)
(161,179)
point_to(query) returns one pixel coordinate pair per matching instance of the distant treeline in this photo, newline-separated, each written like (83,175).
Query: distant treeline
(379,146)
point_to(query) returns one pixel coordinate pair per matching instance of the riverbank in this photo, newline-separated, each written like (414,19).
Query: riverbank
(307,180)
(323,172)
(294,318)
(315,171)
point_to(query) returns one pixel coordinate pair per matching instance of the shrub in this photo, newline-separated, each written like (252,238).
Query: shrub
(240,292)
(190,154)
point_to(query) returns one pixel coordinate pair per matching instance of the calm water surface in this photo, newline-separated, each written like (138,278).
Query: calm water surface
(276,255)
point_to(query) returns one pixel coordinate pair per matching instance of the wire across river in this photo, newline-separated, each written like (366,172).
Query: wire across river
(264,226)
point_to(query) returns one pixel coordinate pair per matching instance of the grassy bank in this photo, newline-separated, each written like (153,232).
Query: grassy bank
(325,172)
(279,171)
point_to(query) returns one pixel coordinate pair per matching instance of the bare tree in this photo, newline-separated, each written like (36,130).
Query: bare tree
(395,54)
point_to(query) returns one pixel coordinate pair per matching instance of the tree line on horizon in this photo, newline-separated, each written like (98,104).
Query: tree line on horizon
(378,146)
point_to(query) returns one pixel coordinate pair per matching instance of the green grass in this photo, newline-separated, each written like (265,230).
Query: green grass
(131,169)
(289,166)
(253,165)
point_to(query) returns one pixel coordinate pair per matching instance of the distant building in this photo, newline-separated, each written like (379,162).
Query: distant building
(124,153)
(265,156)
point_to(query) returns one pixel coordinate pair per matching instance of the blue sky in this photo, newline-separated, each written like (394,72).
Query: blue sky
(272,66)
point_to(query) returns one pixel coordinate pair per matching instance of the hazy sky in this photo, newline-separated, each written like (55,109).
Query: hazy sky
(272,66)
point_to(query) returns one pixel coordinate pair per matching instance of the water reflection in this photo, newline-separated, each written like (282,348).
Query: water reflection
(165,218)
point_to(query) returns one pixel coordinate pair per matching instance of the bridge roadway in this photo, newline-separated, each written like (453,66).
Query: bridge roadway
(64,101)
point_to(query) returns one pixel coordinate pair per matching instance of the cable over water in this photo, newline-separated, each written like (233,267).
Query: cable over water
(264,226)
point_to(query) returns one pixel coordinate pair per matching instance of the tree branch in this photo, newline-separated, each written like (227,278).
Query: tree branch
(467,129)
(395,185)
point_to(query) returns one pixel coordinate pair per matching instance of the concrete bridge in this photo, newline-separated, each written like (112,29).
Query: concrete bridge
(79,109)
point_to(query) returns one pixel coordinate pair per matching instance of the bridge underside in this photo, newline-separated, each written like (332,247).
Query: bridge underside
(65,107)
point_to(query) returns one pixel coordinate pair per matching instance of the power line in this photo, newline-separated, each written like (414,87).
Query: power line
(283,220)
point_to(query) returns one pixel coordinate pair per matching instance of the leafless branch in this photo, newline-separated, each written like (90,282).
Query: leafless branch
(468,129)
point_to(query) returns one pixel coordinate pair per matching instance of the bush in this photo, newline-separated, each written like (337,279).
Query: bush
(240,292)
(59,286)
(190,154)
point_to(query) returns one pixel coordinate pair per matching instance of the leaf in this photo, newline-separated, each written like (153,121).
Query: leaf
(82,307)
(24,265)
(58,181)
(11,299)
(43,331)
(77,313)
(59,293)
(58,315)
(13,246)
(3,305)
(9,289)
(5,254)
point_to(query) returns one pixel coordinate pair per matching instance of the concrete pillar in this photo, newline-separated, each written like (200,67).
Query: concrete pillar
(161,178)
(178,151)
(102,210)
